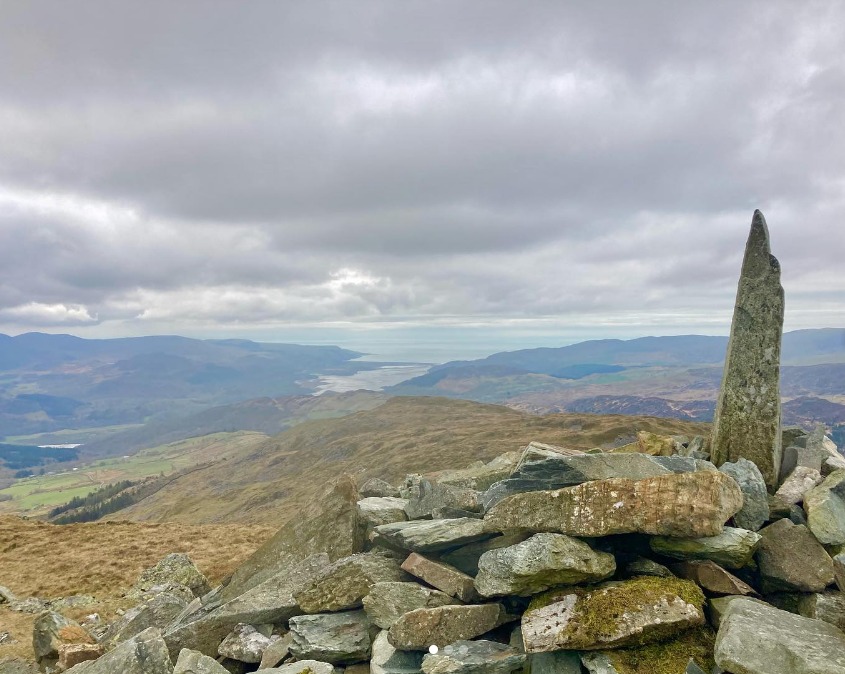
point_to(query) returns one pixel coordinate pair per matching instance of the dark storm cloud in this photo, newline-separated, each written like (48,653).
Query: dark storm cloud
(219,163)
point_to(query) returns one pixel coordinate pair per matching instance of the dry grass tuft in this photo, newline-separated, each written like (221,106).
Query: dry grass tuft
(104,560)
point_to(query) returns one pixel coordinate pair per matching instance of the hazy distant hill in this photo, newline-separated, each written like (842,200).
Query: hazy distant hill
(404,435)
(264,415)
(49,382)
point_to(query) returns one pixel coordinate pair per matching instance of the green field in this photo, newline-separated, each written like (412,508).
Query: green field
(69,435)
(35,496)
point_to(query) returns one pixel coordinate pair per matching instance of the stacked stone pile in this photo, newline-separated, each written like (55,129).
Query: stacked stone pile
(641,559)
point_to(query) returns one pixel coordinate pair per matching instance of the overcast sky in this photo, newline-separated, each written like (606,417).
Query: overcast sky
(527,172)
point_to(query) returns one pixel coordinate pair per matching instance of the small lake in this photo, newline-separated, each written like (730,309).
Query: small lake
(371,380)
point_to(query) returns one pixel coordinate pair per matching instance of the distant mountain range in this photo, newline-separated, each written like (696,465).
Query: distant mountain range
(51,382)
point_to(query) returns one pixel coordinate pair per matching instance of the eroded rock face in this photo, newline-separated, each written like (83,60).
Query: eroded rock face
(387,602)
(790,559)
(474,657)
(539,563)
(627,613)
(754,637)
(346,582)
(419,629)
(732,548)
(685,504)
(747,420)
(176,568)
(330,526)
(338,638)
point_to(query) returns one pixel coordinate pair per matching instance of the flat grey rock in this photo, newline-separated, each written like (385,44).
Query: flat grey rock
(754,638)
(427,535)
(338,638)
(543,561)
(733,548)
(474,657)
(387,602)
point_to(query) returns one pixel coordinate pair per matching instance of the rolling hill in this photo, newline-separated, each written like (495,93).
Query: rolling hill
(270,482)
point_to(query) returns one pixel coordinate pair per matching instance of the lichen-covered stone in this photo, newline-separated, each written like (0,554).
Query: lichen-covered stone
(378,510)
(338,638)
(51,630)
(684,504)
(732,548)
(474,657)
(790,559)
(800,481)
(747,421)
(427,535)
(387,602)
(159,611)
(539,563)
(176,568)
(427,496)
(627,613)
(759,639)
(419,629)
(245,644)
(825,507)
(440,575)
(481,475)
(345,583)
(755,506)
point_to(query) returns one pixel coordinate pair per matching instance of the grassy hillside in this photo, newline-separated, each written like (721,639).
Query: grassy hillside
(104,560)
(272,481)
(35,496)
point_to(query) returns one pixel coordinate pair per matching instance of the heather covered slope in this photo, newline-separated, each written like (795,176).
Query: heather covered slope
(405,435)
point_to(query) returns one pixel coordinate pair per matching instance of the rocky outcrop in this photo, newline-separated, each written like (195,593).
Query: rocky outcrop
(747,421)
(684,504)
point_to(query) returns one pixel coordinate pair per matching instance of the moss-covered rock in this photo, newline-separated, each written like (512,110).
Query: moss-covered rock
(613,615)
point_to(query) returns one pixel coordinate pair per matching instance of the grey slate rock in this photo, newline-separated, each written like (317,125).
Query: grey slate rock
(825,507)
(755,638)
(747,422)
(542,470)
(543,561)
(426,496)
(420,629)
(175,568)
(338,638)
(643,566)
(682,464)
(474,657)
(790,559)
(465,558)
(244,643)
(388,660)
(302,667)
(388,601)
(145,653)
(159,611)
(797,484)
(794,456)
(557,662)
(194,662)
(427,535)
(755,506)
(733,548)
(377,510)
(45,634)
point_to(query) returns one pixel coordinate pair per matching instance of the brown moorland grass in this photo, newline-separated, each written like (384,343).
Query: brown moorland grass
(104,560)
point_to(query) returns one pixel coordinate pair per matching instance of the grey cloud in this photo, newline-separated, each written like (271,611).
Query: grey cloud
(226,163)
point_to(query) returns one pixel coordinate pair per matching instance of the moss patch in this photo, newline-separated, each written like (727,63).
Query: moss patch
(667,657)
(599,609)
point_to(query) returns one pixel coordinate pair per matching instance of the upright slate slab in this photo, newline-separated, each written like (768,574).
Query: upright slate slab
(747,420)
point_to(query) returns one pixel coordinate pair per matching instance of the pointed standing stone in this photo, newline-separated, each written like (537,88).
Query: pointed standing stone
(747,420)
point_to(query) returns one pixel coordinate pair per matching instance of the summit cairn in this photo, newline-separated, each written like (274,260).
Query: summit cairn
(747,420)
